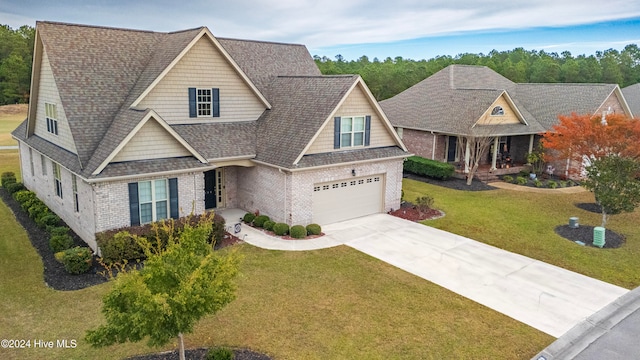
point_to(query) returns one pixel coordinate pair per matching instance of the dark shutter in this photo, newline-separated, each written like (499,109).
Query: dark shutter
(336,132)
(367,130)
(173,198)
(193,111)
(215,99)
(134,206)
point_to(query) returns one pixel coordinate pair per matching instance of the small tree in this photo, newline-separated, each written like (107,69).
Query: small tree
(477,145)
(176,287)
(615,182)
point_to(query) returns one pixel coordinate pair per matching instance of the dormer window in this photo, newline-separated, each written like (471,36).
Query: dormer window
(497,111)
(204,102)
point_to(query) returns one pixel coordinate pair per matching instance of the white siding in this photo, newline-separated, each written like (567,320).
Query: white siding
(152,141)
(203,67)
(48,93)
(356,104)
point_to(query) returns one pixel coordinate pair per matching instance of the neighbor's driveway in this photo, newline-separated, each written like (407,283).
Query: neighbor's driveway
(546,297)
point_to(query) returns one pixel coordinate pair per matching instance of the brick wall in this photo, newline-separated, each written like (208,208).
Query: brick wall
(421,143)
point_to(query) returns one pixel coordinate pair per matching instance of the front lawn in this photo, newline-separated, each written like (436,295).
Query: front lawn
(329,304)
(524,223)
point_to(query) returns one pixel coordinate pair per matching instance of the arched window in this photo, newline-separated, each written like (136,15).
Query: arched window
(497,111)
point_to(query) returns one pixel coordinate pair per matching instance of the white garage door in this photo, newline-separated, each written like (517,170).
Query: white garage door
(347,199)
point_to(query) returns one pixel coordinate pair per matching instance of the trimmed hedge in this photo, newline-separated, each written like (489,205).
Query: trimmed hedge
(260,220)
(314,229)
(14,187)
(431,168)
(220,353)
(7,178)
(77,260)
(248,218)
(120,247)
(268,225)
(59,243)
(298,232)
(281,229)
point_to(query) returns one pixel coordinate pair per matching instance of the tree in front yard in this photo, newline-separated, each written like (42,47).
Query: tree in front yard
(608,148)
(615,182)
(176,287)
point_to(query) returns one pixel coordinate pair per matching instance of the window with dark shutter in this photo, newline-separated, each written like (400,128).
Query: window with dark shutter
(173,198)
(215,99)
(193,111)
(336,132)
(367,130)
(134,208)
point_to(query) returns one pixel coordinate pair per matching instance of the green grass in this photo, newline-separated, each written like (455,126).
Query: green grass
(8,122)
(524,223)
(330,304)
(10,161)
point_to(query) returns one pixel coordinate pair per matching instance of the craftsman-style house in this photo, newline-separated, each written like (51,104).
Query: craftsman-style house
(127,127)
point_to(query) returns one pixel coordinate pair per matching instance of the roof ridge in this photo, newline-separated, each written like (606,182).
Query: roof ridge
(95,26)
(571,84)
(319,76)
(260,41)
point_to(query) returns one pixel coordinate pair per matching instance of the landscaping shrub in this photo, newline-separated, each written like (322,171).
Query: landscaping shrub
(562,183)
(218,228)
(314,229)
(507,178)
(119,247)
(248,218)
(7,178)
(298,232)
(424,203)
(259,220)
(521,180)
(23,195)
(58,256)
(14,187)
(552,184)
(431,168)
(38,210)
(77,260)
(47,220)
(281,229)
(31,201)
(537,182)
(268,225)
(58,230)
(220,353)
(59,243)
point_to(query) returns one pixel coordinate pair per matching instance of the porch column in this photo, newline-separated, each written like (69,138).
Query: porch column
(467,155)
(494,156)
(531,143)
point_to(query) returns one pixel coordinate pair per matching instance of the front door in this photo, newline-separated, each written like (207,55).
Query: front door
(210,189)
(453,146)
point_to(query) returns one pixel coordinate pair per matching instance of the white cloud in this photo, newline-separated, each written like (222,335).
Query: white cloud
(321,23)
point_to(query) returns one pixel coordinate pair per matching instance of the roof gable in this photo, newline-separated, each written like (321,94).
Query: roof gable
(501,112)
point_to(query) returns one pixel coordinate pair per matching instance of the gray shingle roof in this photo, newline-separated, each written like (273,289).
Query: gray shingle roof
(101,71)
(350,156)
(453,99)
(632,95)
(301,105)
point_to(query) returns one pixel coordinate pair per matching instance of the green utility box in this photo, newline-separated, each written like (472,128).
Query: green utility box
(598,236)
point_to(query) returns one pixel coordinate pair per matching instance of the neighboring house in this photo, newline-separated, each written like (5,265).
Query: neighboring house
(632,95)
(461,101)
(128,127)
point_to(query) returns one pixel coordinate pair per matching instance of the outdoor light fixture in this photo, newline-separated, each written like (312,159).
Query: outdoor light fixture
(353,172)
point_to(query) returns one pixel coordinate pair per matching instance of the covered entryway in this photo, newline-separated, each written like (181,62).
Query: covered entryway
(347,199)
(214,189)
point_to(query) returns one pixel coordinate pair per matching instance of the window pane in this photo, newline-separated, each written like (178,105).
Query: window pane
(358,139)
(358,124)
(346,140)
(161,190)
(161,210)
(146,215)
(346,125)
(144,191)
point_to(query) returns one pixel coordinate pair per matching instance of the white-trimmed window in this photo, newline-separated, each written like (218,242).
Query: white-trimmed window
(74,185)
(57,179)
(154,200)
(44,165)
(203,102)
(352,131)
(51,114)
(497,111)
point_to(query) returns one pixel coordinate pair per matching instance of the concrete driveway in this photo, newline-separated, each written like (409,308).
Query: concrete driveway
(546,297)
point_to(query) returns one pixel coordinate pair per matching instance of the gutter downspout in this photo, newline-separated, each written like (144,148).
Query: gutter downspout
(284,208)
(433,151)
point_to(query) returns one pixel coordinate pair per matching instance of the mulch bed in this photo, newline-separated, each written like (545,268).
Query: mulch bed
(451,183)
(584,233)
(200,354)
(591,207)
(410,212)
(55,276)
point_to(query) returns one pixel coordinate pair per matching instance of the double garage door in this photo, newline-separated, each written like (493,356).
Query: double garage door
(347,199)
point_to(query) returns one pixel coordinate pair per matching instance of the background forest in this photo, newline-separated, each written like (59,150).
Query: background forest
(388,77)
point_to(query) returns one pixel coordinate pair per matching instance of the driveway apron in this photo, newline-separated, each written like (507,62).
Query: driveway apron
(546,297)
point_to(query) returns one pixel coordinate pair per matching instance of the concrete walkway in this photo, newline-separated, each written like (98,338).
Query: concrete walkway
(546,297)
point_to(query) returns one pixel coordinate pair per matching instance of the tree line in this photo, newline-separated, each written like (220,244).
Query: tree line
(391,76)
(16,55)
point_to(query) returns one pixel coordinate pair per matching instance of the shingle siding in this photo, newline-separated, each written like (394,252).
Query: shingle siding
(203,67)
(151,142)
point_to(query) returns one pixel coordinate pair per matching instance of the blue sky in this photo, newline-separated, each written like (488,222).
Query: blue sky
(417,29)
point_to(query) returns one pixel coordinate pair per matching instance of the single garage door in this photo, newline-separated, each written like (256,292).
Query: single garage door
(347,199)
